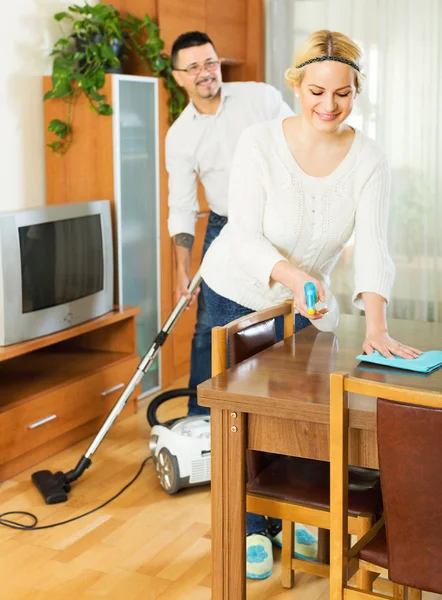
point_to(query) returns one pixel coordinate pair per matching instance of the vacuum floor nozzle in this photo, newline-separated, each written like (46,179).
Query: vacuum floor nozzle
(52,486)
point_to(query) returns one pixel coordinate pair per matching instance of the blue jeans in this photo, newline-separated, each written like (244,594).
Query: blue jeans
(201,353)
(222,311)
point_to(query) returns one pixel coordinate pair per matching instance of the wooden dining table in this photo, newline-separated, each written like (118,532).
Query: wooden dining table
(278,401)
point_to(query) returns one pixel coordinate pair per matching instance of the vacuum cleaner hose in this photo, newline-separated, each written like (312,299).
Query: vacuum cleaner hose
(164,397)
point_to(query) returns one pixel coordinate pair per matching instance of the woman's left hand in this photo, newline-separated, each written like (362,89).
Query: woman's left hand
(387,346)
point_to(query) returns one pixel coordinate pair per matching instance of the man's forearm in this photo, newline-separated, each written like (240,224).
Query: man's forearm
(183,249)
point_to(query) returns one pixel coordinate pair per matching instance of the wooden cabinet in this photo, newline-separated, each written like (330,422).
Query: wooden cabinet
(117,158)
(57,389)
(224,22)
(226,25)
(176,17)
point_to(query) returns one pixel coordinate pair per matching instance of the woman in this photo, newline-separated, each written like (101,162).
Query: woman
(298,189)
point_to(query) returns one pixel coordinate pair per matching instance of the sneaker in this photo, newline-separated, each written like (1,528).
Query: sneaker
(306,544)
(259,556)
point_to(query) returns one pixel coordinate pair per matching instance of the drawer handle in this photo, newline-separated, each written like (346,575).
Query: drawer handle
(42,421)
(112,389)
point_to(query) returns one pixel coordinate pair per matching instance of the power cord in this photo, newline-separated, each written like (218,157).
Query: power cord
(34,526)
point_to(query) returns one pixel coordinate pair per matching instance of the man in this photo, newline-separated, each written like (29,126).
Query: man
(201,144)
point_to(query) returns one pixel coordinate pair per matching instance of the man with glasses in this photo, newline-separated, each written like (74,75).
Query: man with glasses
(200,145)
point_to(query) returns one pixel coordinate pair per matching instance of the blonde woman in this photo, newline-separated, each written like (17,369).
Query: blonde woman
(299,187)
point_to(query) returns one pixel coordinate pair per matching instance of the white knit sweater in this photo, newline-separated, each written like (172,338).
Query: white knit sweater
(278,212)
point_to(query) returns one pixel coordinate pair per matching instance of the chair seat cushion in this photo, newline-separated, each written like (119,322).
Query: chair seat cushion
(306,481)
(375,552)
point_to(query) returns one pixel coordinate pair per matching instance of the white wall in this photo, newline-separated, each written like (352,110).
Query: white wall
(27,34)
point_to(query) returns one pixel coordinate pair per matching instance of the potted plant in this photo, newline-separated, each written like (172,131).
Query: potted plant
(81,59)
(95,47)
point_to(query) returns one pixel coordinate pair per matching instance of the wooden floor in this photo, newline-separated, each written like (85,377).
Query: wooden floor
(145,545)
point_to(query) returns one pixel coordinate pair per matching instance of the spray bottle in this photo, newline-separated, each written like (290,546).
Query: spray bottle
(311,297)
(330,319)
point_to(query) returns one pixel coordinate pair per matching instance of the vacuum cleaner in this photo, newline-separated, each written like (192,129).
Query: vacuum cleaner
(180,447)
(54,487)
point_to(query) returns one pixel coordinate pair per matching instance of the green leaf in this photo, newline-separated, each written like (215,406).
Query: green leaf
(100,79)
(63,15)
(60,128)
(61,89)
(104,109)
(55,146)
(107,53)
(62,43)
(96,96)
(62,65)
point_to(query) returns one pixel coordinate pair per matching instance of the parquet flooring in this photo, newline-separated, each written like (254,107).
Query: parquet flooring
(145,545)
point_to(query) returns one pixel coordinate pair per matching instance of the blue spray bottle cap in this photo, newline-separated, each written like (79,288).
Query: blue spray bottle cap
(311,297)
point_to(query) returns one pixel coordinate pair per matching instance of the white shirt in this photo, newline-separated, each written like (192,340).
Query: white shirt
(278,212)
(203,145)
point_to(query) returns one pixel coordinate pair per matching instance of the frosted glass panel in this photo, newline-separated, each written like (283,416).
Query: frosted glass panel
(138,211)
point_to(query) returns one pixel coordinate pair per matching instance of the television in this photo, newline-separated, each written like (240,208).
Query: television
(56,268)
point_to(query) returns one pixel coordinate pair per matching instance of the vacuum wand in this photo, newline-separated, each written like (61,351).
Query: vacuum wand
(54,487)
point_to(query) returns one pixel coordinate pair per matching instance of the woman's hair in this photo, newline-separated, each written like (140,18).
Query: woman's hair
(321,44)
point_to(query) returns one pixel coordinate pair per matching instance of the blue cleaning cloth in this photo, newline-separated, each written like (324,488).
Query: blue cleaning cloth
(424,363)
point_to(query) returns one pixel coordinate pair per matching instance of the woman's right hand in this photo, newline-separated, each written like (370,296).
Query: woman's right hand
(295,280)
(300,278)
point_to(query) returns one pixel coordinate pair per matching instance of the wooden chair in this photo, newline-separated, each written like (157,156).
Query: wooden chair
(407,546)
(292,489)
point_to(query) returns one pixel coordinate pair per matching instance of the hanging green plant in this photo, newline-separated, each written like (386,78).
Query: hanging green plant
(144,38)
(81,60)
(96,47)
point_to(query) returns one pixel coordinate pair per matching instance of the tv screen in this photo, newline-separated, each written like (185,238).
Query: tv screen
(61,261)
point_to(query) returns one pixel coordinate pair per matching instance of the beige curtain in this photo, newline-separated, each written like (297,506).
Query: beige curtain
(402,109)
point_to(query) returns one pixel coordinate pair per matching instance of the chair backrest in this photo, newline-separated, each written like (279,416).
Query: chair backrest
(248,336)
(250,341)
(409,432)
(410,464)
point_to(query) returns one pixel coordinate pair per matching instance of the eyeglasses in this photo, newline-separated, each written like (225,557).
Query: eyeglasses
(195,69)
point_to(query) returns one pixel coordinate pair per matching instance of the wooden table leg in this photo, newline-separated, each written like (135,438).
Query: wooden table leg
(338,486)
(228,435)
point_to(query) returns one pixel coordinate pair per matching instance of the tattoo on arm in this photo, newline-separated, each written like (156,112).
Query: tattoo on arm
(185,240)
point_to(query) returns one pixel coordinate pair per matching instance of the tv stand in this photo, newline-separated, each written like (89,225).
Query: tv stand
(57,390)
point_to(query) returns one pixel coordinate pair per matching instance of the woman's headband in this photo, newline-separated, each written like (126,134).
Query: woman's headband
(335,58)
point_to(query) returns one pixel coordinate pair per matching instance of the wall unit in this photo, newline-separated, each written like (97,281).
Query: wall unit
(57,389)
(116,158)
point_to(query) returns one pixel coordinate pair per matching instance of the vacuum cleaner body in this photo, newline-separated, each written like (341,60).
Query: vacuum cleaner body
(181,452)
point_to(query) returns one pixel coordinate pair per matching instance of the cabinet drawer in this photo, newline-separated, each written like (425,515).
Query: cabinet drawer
(113,386)
(48,416)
